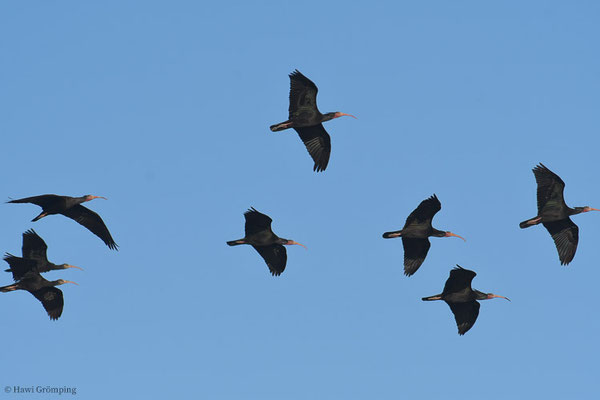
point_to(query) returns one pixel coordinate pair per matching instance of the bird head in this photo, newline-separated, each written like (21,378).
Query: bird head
(492,295)
(63,281)
(337,114)
(448,234)
(290,242)
(89,197)
(65,266)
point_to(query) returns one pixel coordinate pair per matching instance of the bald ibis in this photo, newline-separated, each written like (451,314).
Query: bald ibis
(554,213)
(71,207)
(43,290)
(416,232)
(260,236)
(461,298)
(305,118)
(34,257)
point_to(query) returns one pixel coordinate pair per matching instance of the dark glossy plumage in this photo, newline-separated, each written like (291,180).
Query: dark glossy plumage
(415,234)
(71,207)
(461,298)
(43,290)
(554,213)
(259,235)
(306,119)
(34,257)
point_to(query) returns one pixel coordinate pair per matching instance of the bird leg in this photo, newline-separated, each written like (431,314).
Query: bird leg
(42,215)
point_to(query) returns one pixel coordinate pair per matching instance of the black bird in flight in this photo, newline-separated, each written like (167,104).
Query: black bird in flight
(262,238)
(416,232)
(305,118)
(34,257)
(71,207)
(462,299)
(43,290)
(554,213)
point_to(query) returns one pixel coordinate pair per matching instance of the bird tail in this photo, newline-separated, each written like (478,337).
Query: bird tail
(431,298)
(280,126)
(8,288)
(529,222)
(393,234)
(236,242)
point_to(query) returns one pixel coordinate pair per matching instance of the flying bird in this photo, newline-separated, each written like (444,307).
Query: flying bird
(554,213)
(462,299)
(34,257)
(416,232)
(43,290)
(71,207)
(261,237)
(305,118)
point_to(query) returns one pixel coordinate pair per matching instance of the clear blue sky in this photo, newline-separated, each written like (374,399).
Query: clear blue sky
(164,108)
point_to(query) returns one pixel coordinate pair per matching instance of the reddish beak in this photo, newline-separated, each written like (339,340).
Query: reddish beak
(292,242)
(448,234)
(491,296)
(592,209)
(72,266)
(341,114)
(72,282)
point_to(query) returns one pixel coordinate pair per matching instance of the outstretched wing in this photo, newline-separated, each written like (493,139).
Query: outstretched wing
(318,143)
(34,246)
(275,256)
(303,96)
(52,300)
(465,315)
(424,212)
(256,222)
(19,266)
(459,280)
(93,222)
(566,236)
(43,200)
(415,251)
(550,188)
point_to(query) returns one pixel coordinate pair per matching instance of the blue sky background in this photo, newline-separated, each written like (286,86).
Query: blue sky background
(164,108)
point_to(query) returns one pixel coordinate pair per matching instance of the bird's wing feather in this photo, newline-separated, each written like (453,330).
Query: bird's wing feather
(34,246)
(93,222)
(303,95)
(275,256)
(465,315)
(550,188)
(459,280)
(425,211)
(52,300)
(415,251)
(41,200)
(256,222)
(566,236)
(19,267)
(318,143)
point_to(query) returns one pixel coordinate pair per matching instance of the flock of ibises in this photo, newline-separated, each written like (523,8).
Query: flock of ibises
(307,121)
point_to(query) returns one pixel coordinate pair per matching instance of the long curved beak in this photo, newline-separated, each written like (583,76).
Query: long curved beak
(341,114)
(592,209)
(72,266)
(99,197)
(75,283)
(491,296)
(448,234)
(299,244)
